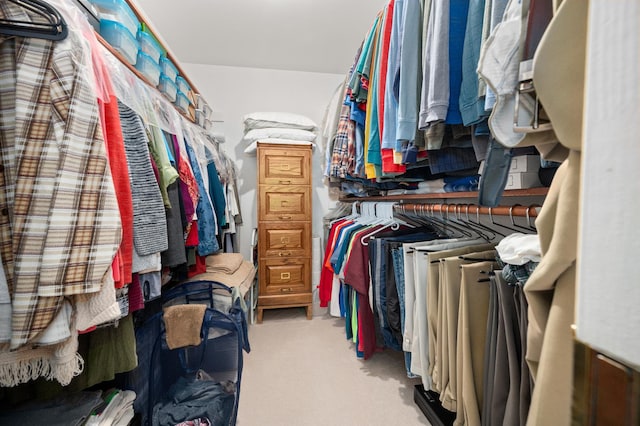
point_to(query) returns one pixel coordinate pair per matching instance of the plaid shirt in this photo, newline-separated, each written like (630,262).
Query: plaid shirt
(59,219)
(343,158)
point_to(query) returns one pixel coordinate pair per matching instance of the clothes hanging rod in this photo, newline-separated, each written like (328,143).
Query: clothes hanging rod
(531,192)
(462,209)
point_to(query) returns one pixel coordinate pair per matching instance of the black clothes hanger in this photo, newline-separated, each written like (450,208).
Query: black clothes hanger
(54,26)
(480,231)
(481,225)
(513,222)
(448,223)
(498,224)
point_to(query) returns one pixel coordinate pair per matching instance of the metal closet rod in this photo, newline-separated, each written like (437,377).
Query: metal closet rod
(428,208)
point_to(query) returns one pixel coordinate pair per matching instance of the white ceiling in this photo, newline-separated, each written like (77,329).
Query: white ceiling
(300,35)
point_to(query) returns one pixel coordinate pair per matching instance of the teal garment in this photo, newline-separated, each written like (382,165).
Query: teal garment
(170,155)
(367,61)
(363,66)
(374,154)
(216,192)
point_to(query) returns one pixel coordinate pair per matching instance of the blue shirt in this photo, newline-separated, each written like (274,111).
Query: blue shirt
(458,11)
(393,71)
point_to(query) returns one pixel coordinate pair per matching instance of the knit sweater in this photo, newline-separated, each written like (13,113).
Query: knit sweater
(149,221)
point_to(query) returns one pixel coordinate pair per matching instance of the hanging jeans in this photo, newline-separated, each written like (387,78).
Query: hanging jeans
(495,174)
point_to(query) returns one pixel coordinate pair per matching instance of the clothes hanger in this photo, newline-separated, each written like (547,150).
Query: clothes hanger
(499,224)
(367,214)
(480,224)
(472,226)
(513,222)
(417,217)
(480,231)
(402,213)
(441,228)
(354,214)
(54,28)
(448,224)
(388,219)
(532,226)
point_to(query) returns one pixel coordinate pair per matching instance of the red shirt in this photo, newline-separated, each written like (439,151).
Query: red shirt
(114,142)
(326,274)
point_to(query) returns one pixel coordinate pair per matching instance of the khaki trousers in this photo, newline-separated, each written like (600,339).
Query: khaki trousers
(433,314)
(472,334)
(448,306)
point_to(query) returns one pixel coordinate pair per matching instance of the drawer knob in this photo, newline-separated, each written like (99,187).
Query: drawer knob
(285,276)
(284,253)
(286,290)
(285,182)
(285,217)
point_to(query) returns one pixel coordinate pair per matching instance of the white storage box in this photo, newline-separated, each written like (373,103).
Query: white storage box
(525,163)
(523,180)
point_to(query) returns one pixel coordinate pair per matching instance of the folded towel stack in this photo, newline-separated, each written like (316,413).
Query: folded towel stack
(277,128)
(229,269)
(118,412)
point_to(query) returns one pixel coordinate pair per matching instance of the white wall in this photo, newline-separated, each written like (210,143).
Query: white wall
(234,92)
(608,294)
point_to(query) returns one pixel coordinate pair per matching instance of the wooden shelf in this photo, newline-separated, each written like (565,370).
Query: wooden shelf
(532,192)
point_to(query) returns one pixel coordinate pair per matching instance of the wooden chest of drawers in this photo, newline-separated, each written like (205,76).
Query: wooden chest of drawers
(284,227)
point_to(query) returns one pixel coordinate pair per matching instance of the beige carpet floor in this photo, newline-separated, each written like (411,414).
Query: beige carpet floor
(305,373)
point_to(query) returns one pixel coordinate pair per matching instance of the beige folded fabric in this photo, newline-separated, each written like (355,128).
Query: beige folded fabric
(183,324)
(241,278)
(224,262)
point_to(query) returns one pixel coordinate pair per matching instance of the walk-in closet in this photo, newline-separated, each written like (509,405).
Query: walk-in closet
(296,212)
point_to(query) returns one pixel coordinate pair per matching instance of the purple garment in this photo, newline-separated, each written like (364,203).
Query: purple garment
(187,202)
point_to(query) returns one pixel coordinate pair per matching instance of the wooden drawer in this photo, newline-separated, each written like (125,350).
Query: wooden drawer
(284,276)
(284,166)
(284,203)
(291,239)
(286,300)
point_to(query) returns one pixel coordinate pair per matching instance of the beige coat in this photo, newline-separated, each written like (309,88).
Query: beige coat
(559,80)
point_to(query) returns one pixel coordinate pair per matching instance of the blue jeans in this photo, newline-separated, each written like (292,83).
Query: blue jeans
(398,266)
(377,249)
